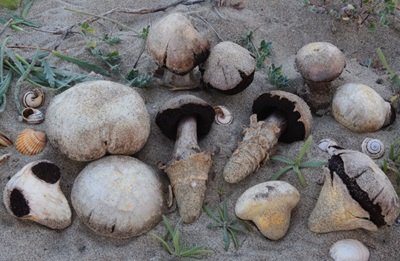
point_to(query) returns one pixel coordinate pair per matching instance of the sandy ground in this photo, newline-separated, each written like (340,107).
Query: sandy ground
(289,26)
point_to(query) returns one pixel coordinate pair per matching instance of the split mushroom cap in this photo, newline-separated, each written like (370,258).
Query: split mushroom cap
(360,108)
(118,196)
(177,108)
(34,194)
(94,118)
(175,44)
(291,107)
(356,194)
(269,206)
(229,68)
(320,62)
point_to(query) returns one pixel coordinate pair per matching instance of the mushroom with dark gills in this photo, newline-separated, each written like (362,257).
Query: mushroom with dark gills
(269,206)
(178,47)
(34,194)
(186,118)
(356,194)
(229,68)
(319,63)
(118,196)
(360,108)
(279,116)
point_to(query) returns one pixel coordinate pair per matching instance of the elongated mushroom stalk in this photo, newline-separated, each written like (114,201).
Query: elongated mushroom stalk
(287,118)
(184,118)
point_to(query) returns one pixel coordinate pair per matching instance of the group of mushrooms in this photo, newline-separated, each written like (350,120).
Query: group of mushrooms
(120,196)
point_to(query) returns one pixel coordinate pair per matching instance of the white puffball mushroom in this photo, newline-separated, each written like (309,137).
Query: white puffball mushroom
(94,118)
(34,194)
(349,250)
(118,196)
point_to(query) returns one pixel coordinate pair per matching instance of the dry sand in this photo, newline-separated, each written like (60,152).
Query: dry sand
(289,26)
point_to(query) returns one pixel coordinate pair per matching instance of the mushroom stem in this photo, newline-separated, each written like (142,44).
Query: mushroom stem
(318,94)
(186,139)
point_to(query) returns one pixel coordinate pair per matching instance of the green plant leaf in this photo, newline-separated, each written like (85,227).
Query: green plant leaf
(300,176)
(282,159)
(49,74)
(282,171)
(167,225)
(111,40)
(303,151)
(234,238)
(81,63)
(163,243)
(196,252)
(176,240)
(313,164)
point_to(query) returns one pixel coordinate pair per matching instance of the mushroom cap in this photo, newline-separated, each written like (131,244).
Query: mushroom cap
(177,108)
(349,250)
(34,193)
(360,108)
(292,107)
(94,118)
(118,196)
(320,62)
(175,44)
(229,68)
(269,206)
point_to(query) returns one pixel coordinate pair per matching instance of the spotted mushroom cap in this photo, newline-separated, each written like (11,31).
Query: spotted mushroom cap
(118,196)
(34,193)
(320,62)
(292,107)
(177,108)
(360,108)
(175,44)
(229,68)
(356,194)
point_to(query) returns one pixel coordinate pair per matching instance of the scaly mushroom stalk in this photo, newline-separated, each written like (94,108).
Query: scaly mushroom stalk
(186,141)
(319,94)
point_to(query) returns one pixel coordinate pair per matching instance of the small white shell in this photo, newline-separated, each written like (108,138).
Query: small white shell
(33,98)
(349,250)
(327,145)
(222,115)
(32,116)
(374,148)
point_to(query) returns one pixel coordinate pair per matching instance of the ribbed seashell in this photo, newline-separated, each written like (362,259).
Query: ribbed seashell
(32,116)
(33,98)
(222,115)
(349,250)
(374,148)
(30,142)
(4,140)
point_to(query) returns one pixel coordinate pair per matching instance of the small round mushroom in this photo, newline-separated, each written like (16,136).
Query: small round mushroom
(360,108)
(356,194)
(269,206)
(229,68)
(118,196)
(34,194)
(349,250)
(177,46)
(279,116)
(319,63)
(94,118)
(184,119)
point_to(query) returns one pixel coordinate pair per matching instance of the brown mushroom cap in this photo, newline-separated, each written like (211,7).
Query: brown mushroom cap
(292,107)
(183,106)
(320,62)
(229,68)
(176,44)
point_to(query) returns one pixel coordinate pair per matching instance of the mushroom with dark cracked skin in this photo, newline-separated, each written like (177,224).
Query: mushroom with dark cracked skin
(319,63)
(279,115)
(229,68)
(184,119)
(178,47)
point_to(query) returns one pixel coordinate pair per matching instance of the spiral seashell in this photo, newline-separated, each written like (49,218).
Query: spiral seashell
(30,142)
(33,98)
(349,250)
(374,148)
(4,140)
(222,115)
(32,116)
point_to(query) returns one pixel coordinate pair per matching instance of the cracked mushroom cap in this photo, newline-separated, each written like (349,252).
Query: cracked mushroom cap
(292,107)
(356,194)
(360,108)
(94,118)
(320,62)
(34,194)
(182,106)
(175,44)
(118,196)
(269,206)
(229,68)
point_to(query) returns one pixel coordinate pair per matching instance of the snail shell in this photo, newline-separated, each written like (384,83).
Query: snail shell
(349,250)
(374,148)
(222,115)
(32,116)
(33,98)
(328,145)
(4,140)
(30,142)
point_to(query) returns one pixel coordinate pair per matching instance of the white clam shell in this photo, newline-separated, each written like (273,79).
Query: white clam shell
(349,250)
(222,115)
(374,148)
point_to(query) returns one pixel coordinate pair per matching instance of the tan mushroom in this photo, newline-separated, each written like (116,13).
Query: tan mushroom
(269,206)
